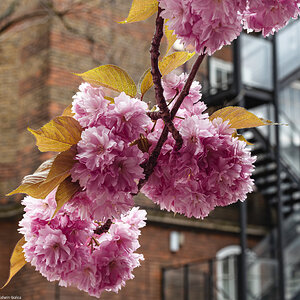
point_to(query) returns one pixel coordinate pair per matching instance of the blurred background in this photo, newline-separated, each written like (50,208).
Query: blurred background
(244,251)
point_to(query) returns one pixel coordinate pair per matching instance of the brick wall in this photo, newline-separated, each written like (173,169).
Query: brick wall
(198,244)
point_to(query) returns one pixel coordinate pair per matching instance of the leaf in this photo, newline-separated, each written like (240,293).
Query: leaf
(241,138)
(17,260)
(112,100)
(141,10)
(239,117)
(171,37)
(142,143)
(141,81)
(62,165)
(68,111)
(58,135)
(32,184)
(48,176)
(111,77)
(167,65)
(65,192)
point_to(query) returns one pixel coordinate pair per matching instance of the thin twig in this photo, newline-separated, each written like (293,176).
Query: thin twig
(186,89)
(154,115)
(104,228)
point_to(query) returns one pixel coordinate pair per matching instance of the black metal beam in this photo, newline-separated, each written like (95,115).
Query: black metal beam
(280,246)
(211,280)
(242,282)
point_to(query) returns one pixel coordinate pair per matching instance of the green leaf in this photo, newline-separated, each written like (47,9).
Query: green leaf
(111,77)
(17,260)
(58,135)
(141,10)
(65,192)
(239,117)
(48,176)
(167,65)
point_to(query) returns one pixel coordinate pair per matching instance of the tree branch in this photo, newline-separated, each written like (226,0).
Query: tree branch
(104,228)
(154,115)
(156,76)
(186,89)
(150,164)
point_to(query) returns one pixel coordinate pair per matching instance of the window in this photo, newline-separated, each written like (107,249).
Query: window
(227,272)
(220,73)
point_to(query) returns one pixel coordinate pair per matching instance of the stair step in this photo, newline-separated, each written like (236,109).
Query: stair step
(263,160)
(264,173)
(258,150)
(286,192)
(286,199)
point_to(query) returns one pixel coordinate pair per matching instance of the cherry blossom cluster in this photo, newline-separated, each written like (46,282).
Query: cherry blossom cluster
(209,25)
(91,241)
(108,167)
(211,169)
(70,250)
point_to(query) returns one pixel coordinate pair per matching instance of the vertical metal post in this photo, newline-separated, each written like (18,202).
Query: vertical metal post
(186,282)
(280,251)
(242,274)
(237,67)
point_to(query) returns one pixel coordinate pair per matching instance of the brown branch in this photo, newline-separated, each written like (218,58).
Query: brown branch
(10,10)
(154,115)
(156,77)
(186,89)
(47,10)
(104,228)
(20,19)
(150,164)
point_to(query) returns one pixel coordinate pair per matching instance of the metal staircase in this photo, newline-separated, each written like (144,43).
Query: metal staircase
(253,62)
(265,174)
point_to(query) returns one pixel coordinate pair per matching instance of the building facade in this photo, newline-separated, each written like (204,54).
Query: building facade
(41,44)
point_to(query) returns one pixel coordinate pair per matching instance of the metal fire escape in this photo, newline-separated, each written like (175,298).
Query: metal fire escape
(263,76)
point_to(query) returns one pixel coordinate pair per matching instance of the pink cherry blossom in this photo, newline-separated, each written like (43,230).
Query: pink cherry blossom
(58,247)
(127,117)
(207,25)
(211,169)
(269,16)
(89,105)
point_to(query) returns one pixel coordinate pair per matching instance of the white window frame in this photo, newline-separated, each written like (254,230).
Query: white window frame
(229,252)
(226,67)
